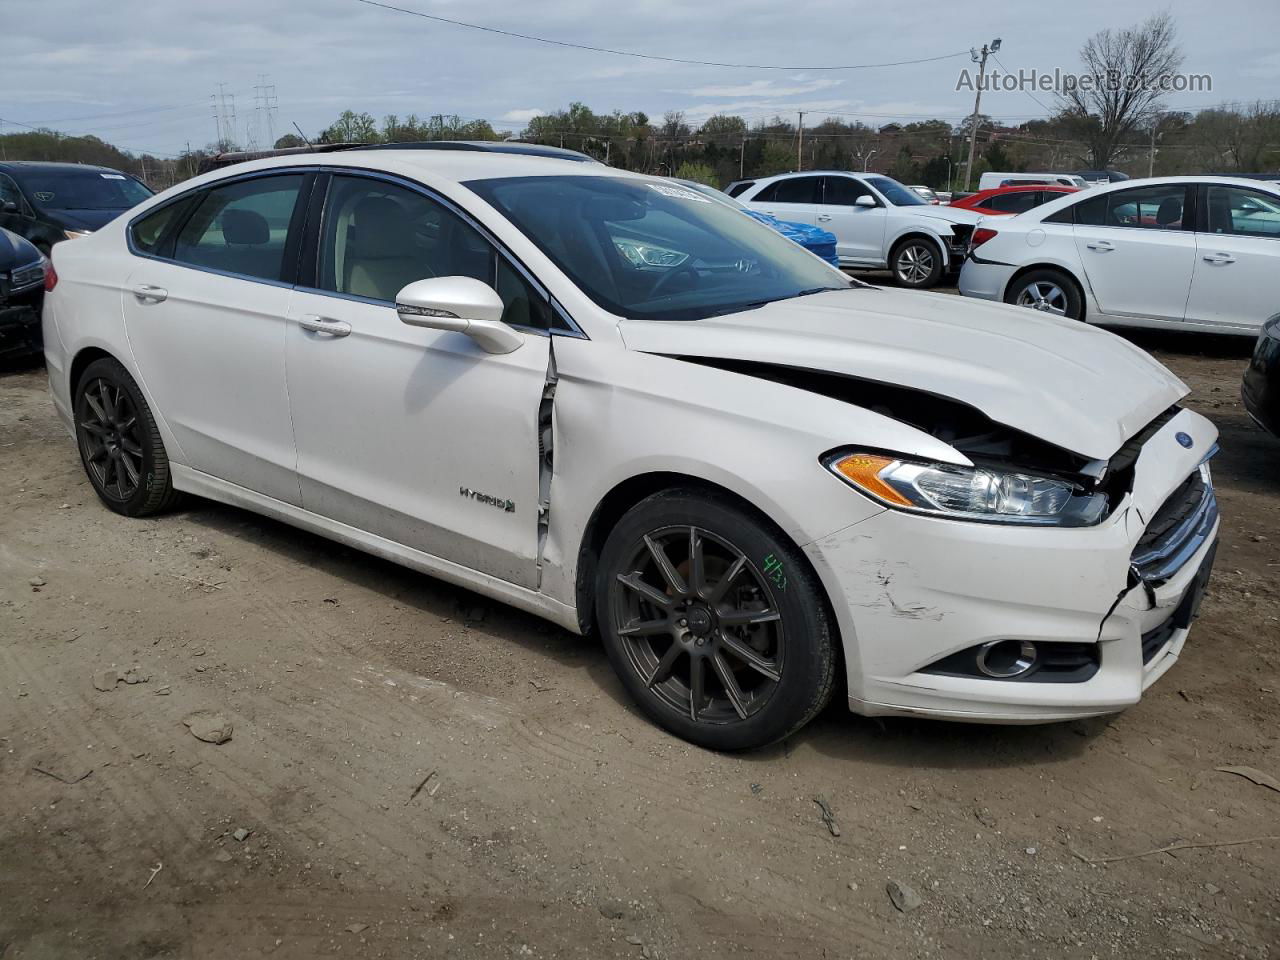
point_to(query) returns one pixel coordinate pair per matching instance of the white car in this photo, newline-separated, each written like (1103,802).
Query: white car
(926,193)
(622,406)
(877,221)
(1191,253)
(993,179)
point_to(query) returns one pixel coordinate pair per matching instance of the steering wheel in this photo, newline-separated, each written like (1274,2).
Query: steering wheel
(666,279)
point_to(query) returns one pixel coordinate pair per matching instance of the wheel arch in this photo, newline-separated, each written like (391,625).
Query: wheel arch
(1060,268)
(625,495)
(918,233)
(80,363)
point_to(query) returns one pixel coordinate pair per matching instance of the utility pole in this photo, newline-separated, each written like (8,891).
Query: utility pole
(800,145)
(742,157)
(981,60)
(1151,156)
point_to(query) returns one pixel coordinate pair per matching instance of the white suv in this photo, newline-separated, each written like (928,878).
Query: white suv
(877,221)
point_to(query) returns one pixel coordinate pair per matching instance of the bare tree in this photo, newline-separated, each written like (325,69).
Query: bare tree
(1122,85)
(1241,139)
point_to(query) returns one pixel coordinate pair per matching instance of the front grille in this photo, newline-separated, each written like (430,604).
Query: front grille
(25,277)
(1156,639)
(1178,529)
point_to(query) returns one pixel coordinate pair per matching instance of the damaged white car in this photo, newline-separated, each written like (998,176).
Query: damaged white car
(619,405)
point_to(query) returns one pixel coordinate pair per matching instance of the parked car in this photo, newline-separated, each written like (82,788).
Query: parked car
(1260,390)
(1097,177)
(220,160)
(631,410)
(1193,253)
(21,295)
(47,203)
(993,179)
(819,242)
(877,221)
(926,194)
(1004,200)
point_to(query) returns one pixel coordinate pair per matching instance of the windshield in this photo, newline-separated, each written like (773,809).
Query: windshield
(896,193)
(83,189)
(652,250)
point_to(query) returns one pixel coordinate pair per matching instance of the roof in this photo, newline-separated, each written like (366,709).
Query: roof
(50,164)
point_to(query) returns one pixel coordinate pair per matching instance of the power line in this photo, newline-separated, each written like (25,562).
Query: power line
(651,56)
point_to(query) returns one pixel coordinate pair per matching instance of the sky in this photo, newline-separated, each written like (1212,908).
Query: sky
(143,74)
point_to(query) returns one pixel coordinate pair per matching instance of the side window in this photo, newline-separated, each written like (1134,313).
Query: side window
(844,191)
(379,237)
(1014,202)
(153,234)
(737,188)
(1241,212)
(241,227)
(1090,213)
(1147,208)
(799,190)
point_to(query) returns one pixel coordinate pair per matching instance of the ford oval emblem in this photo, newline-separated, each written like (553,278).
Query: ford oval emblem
(1184,439)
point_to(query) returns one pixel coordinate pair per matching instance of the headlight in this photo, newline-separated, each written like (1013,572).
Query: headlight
(968,493)
(73,234)
(647,255)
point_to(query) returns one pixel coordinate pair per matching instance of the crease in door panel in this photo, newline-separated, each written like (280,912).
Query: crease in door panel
(546,450)
(288,398)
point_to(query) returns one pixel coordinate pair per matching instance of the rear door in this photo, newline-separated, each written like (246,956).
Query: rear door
(859,230)
(1138,250)
(1236,282)
(205,308)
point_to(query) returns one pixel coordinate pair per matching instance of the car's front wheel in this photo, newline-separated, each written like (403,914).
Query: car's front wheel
(119,442)
(916,263)
(1049,291)
(714,621)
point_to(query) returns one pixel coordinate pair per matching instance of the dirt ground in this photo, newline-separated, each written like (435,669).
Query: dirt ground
(421,772)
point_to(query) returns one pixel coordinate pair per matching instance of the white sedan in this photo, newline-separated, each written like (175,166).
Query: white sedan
(1190,253)
(619,405)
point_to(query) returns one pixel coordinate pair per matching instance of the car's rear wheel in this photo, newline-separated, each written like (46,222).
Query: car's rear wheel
(119,442)
(1048,291)
(916,262)
(714,621)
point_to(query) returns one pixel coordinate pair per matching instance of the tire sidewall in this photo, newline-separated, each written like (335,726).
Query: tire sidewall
(934,275)
(1075,301)
(114,372)
(808,653)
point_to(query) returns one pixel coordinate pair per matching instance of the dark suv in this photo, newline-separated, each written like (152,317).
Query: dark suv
(50,202)
(21,294)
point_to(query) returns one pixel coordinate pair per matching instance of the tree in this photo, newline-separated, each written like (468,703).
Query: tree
(698,173)
(351,127)
(289,140)
(776,158)
(722,127)
(1126,72)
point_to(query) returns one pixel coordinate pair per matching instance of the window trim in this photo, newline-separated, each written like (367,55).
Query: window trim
(301,204)
(308,274)
(871,191)
(1190,209)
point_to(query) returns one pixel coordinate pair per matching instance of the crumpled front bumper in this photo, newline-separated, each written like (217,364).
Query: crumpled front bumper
(909,590)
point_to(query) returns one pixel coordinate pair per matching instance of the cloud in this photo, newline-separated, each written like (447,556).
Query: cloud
(522,116)
(762,88)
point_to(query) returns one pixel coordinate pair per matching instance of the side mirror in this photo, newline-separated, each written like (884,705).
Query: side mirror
(461,304)
(866,200)
(9,206)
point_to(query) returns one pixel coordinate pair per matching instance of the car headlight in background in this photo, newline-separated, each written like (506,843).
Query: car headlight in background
(648,255)
(968,493)
(73,234)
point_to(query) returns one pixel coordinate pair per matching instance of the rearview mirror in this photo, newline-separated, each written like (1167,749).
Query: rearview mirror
(866,200)
(461,304)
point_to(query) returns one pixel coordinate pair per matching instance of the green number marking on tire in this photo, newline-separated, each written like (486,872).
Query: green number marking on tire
(773,570)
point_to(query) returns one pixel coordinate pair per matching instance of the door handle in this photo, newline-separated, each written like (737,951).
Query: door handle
(146,293)
(1102,245)
(824,217)
(1219,258)
(334,328)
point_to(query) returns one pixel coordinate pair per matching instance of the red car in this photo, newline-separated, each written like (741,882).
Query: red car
(1010,199)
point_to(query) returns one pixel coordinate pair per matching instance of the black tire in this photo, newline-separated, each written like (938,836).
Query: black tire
(120,445)
(782,665)
(1048,291)
(916,263)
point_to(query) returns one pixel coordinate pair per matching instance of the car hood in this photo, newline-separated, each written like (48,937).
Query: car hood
(1072,385)
(15,251)
(82,219)
(947,213)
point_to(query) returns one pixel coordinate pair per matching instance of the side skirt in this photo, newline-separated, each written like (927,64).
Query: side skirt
(530,601)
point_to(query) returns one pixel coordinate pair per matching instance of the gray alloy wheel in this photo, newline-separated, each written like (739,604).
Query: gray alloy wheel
(917,263)
(1048,291)
(1043,295)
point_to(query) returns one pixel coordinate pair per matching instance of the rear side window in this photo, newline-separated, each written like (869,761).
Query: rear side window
(1013,202)
(153,233)
(791,190)
(241,228)
(740,187)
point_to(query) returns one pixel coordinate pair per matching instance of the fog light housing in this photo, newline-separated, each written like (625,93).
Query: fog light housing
(1006,659)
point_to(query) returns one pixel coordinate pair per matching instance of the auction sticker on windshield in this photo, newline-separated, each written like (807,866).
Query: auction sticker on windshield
(678,193)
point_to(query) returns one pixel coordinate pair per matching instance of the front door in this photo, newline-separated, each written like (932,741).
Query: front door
(859,230)
(415,435)
(1235,285)
(205,309)
(1138,250)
